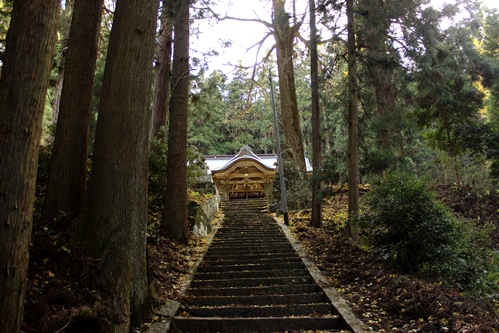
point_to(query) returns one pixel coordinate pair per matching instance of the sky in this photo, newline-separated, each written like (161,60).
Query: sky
(244,35)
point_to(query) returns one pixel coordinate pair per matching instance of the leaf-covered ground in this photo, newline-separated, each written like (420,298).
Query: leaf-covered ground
(62,284)
(383,298)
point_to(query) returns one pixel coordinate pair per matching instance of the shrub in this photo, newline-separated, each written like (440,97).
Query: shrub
(407,227)
(158,164)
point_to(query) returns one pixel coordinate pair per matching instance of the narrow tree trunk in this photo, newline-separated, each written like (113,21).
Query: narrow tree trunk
(163,69)
(68,171)
(353,130)
(316,123)
(174,220)
(284,36)
(452,151)
(380,75)
(63,33)
(23,86)
(58,91)
(113,222)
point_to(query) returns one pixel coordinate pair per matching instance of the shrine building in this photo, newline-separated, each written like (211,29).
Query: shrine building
(245,175)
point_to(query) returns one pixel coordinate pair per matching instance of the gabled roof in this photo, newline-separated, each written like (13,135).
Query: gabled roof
(223,162)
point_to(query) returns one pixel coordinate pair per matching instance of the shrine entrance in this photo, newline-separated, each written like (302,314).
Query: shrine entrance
(243,176)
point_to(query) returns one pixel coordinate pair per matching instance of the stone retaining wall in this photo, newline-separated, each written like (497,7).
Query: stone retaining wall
(201,214)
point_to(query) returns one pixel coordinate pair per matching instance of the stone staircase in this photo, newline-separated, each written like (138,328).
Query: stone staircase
(252,280)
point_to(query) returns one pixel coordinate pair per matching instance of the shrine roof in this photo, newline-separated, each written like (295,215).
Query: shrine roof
(221,162)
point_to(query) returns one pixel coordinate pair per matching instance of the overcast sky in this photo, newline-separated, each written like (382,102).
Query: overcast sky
(243,35)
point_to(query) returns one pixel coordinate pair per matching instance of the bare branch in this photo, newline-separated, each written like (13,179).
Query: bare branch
(222,18)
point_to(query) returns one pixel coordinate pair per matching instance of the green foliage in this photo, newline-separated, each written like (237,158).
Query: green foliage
(42,176)
(408,228)
(196,166)
(158,156)
(472,259)
(158,153)
(489,287)
(224,115)
(5,10)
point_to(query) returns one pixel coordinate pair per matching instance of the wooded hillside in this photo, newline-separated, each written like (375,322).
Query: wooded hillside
(106,113)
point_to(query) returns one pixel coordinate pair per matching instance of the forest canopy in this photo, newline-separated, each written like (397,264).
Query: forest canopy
(112,105)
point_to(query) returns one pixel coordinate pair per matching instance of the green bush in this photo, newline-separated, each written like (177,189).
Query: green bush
(472,265)
(158,164)
(407,227)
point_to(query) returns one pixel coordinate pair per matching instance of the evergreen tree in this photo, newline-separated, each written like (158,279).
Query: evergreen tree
(284,35)
(163,69)
(23,86)
(174,220)
(68,172)
(113,222)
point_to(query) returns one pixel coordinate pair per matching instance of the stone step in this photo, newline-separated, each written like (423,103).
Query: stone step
(247,206)
(253,291)
(241,229)
(250,274)
(262,311)
(256,256)
(249,229)
(233,261)
(251,266)
(247,243)
(250,250)
(332,324)
(276,234)
(244,213)
(245,237)
(222,246)
(252,282)
(257,300)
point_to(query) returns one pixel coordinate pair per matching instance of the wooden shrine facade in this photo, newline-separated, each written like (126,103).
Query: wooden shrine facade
(245,175)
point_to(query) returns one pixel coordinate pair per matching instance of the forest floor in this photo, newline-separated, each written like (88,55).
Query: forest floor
(387,300)
(62,283)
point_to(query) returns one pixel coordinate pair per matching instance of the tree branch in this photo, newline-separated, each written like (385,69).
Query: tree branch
(222,18)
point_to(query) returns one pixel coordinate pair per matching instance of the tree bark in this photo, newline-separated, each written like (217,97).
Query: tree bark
(58,90)
(284,36)
(113,222)
(68,171)
(63,33)
(316,123)
(163,69)
(353,130)
(380,69)
(23,85)
(174,220)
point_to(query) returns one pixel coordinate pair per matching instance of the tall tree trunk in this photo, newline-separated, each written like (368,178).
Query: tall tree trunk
(380,69)
(163,69)
(353,130)
(23,86)
(316,123)
(174,220)
(113,225)
(68,171)
(58,89)
(284,36)
(63,33)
